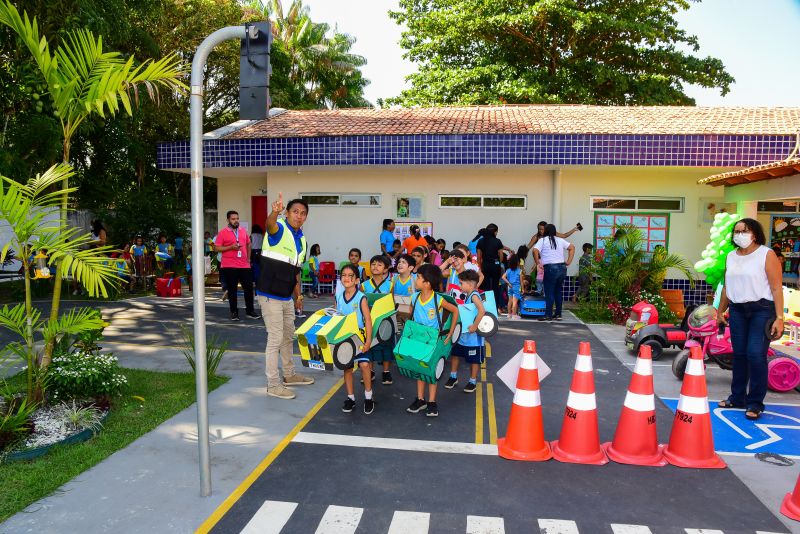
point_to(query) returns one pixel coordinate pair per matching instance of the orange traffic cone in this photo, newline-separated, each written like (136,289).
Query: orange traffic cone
(791,503)
(525,436)
(691,443)
(579,442)
(636,441)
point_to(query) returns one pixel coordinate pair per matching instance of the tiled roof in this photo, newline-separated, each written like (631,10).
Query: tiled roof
(757,173)
(539,119)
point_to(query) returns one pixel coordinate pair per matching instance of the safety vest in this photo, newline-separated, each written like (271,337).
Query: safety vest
(280,263)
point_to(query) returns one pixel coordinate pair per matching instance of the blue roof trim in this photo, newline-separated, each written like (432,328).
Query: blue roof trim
(484,149)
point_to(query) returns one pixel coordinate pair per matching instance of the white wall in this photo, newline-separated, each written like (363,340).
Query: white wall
(337,229)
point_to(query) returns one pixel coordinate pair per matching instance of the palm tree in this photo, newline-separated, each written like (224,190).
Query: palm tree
(27,209)
(84,80)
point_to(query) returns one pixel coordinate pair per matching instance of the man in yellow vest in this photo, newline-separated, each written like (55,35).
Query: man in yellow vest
(278,289)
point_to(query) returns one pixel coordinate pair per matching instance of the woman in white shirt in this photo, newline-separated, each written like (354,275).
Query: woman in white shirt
(549,251)
(753,293)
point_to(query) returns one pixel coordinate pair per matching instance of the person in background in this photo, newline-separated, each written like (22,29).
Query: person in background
(420,255)
(550,252)
(313,269)
(99,234)
(351,300)
(167,253)
(386,239)
(208,244)
(434,258)
(397,251)
(470,346)
(584,272)
(234,244)
(513,278)
(489,249)
(540,233)
(522,254)
(178,248)
(753,292)
(414,240)
(355,258)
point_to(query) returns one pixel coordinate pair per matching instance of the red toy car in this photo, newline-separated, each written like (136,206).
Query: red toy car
(642,328)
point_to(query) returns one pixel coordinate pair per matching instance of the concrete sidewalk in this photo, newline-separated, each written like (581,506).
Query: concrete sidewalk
(153,484)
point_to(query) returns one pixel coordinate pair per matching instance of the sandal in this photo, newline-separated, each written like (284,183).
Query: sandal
(728,404)
(753,414)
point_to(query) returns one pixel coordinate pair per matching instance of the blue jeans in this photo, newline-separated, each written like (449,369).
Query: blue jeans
(748,323)
(554,274)
(314,282)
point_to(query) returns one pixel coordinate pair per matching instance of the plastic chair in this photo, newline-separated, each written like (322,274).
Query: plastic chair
(327,275)
(305,277)
(365,265)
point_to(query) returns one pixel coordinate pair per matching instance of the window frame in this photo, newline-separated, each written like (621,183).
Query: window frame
(482,197)
(339,200)
(636,199)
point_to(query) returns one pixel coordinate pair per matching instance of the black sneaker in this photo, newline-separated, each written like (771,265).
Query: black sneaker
(253,315)
(235,316)
(557,318)
(433,410)
(470,387)
(369,406)
(348,405)
(387,378)
(416,406)
(451,383)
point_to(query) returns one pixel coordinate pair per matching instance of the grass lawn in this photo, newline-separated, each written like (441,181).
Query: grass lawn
(165,395)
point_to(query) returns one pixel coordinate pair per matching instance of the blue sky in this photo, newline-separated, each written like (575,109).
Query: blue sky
(756,39)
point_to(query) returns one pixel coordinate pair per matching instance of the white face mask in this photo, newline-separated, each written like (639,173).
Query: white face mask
(743,240)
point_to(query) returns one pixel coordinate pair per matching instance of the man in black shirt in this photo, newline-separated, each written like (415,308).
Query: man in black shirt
(489,260)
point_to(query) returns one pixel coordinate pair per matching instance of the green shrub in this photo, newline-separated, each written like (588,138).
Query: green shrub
(81,375)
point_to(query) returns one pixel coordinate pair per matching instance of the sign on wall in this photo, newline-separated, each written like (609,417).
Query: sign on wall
(408,206)
(401,229)
(654,227)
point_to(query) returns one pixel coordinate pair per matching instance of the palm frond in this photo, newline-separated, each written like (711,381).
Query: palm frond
(74,322)
(15,320)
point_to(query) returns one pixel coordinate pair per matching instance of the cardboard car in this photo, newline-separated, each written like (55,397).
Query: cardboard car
(467,311)
(421,351)
(329,339)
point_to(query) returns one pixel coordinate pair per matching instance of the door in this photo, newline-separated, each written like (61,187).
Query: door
(259,210)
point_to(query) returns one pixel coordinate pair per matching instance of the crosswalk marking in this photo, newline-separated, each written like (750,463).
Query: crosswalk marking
(557,526)
(417,445)
(270,518)
(629,529)
(410,523)
(340,520)
(477,524)
(702,531)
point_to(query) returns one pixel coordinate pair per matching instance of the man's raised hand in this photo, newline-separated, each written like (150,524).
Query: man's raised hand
(277,206)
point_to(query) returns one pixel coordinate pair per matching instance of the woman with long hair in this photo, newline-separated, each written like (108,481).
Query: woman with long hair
(549,251)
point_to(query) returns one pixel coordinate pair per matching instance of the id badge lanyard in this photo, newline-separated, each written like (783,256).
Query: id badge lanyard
(238,248)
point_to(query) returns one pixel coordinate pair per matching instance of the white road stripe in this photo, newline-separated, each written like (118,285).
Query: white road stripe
(557,526)
(410,523)
(702,531)
(339,520)
(485,525)
(629,529)
(451,447)
(270,518)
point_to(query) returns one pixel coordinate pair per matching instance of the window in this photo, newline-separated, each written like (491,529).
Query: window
(654,228)
(344,199)
(787,206)
(483,201)
(636,203)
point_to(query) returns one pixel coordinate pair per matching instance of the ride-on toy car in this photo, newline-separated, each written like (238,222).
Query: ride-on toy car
(467,311)
(328,339)
(783,373)
(642,328)
(421,351)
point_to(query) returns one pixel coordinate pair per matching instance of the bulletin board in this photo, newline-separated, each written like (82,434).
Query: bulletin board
(401,229)
(654,227)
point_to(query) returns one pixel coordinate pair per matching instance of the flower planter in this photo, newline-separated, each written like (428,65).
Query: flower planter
(212,279)
(31,454)
(674,300)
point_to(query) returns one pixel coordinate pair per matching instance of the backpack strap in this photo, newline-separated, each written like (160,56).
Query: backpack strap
(436,309)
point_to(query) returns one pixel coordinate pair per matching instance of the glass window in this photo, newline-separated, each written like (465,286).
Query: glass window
(360,200)
(321,200)
(614,203)
(459,202)
(354,199)
(503,202)
(788,206)
(660,204)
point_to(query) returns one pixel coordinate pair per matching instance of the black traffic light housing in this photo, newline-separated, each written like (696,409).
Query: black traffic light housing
(254,72)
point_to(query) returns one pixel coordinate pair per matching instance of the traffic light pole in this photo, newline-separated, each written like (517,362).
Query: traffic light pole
(198,262)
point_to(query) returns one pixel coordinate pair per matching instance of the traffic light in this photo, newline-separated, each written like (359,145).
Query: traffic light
(254,72)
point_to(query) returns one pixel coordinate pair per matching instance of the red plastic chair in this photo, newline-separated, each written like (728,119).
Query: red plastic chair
(327,275)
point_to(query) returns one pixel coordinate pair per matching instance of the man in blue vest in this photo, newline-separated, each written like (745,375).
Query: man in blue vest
(278,288)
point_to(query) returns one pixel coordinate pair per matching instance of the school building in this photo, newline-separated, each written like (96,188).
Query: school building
(455,169)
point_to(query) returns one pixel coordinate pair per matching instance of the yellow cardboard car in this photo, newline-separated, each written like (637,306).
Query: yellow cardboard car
(328,339)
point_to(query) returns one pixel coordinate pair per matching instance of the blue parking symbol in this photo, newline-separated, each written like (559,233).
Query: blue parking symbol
(776,431)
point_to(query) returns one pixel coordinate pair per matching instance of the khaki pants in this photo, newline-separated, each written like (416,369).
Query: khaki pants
(279,320)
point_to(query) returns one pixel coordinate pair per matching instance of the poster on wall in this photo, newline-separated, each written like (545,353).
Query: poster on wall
(784,234)
(710,206)
(654,228)
(408,206)
(401,229)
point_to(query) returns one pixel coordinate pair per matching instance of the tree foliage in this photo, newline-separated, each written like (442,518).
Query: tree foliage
(604,52)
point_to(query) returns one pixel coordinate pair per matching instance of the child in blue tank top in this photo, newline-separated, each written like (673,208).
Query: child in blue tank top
(381,282)
(427,308)
(470,345)
(513,277)
(349,301)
